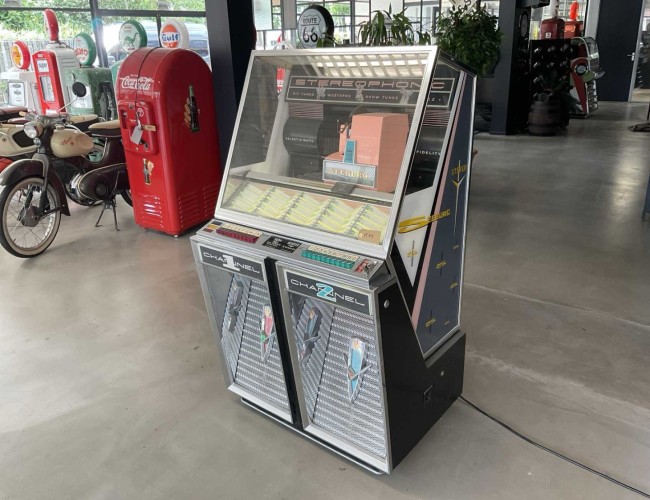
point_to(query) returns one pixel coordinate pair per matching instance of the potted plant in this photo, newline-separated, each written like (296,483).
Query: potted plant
(386,28)
(471,35)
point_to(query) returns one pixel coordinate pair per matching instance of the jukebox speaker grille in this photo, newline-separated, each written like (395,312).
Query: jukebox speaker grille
(325,375)
(241,329)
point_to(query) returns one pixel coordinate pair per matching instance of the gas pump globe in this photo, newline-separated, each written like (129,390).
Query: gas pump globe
(132,37)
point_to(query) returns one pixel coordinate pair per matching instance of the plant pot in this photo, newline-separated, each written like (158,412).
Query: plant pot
(545,116)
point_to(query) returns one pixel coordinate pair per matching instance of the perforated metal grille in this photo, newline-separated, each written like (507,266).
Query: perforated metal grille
(264,379)
(312,367)
(325,383)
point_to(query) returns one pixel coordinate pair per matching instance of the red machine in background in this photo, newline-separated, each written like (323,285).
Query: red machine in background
(166,112)
(573,27)
(50,65)
(553,28)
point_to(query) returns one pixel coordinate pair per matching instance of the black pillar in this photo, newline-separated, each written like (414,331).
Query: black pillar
(502,97)
(509,90)
(231,31)
(98,30)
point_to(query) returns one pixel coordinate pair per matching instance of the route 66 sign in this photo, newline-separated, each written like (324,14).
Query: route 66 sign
(314,23)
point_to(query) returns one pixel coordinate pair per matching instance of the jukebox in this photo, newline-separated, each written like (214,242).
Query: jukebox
(585,71)
(333,268)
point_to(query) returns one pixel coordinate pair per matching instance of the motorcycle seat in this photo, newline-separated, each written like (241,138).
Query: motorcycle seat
(77,119)
(17,121)
(106,129)
(12,111)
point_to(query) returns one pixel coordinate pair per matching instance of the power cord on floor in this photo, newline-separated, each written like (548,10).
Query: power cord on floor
(553,452)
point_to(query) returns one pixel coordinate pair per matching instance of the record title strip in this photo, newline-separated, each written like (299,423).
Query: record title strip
(396,91)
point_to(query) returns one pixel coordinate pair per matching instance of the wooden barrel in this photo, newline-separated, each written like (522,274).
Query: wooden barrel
(545,116)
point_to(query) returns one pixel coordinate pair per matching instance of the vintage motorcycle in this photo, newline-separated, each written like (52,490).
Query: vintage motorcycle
(14,142)
(36,190)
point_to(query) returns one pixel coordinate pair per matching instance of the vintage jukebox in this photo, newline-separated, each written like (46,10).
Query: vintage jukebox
(333,268)
(585,71)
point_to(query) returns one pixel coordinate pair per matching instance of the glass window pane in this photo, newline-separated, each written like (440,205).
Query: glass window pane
(73,4)
(112,24)
(262,12)
(28,27)
(428,152)
(197,28)
(194,5)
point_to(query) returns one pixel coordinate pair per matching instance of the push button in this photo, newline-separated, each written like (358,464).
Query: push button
(328,259)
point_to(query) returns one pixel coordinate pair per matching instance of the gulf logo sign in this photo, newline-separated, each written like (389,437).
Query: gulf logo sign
(174,35)
(170,37)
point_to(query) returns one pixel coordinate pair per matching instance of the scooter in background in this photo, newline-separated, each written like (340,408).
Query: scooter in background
(36,190)
(15,144)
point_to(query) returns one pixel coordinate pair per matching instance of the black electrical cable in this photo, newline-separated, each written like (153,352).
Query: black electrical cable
(553,452)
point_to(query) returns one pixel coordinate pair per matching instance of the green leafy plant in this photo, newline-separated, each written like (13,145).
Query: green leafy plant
(470,34)
(386,28)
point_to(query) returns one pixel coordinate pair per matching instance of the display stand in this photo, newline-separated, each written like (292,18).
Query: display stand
(333,269)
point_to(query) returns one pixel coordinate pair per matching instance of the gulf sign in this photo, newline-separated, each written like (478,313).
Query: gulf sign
(170,38)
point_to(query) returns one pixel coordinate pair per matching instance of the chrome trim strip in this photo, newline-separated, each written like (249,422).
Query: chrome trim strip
(216,330)
(242,393)
(352,450)
(467,187)
(231,147)
(409,152)
(315,440)
(380,357)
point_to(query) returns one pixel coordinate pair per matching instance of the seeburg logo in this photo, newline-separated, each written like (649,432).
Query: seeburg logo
(327,292)
(143,83)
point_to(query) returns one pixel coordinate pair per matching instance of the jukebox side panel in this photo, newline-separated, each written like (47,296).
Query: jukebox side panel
(333,343)
(238,294)
(430,237)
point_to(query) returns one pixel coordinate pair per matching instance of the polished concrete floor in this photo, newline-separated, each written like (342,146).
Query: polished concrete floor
(110,384)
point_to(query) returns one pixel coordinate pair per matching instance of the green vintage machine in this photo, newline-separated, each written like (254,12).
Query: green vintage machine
(100,95)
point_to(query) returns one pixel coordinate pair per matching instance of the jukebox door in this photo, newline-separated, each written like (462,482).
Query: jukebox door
(242,316)
(337,365)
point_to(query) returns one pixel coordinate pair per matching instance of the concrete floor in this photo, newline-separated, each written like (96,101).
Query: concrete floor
(110,385)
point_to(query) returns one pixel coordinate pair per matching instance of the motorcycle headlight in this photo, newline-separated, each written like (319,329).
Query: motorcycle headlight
(33,129)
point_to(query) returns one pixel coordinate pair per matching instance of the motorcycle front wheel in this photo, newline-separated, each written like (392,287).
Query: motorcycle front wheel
(24,233)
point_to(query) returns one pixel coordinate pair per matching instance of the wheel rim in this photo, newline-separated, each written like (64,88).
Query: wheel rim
(22,238)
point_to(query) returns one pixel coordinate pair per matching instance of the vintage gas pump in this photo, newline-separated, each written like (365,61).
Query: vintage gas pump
(132,37)
(20,80)
(50,65)
(100,97)
(166,111)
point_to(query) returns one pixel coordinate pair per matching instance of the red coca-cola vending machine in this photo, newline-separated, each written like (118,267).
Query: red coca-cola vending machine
(166,112)
(50,65)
